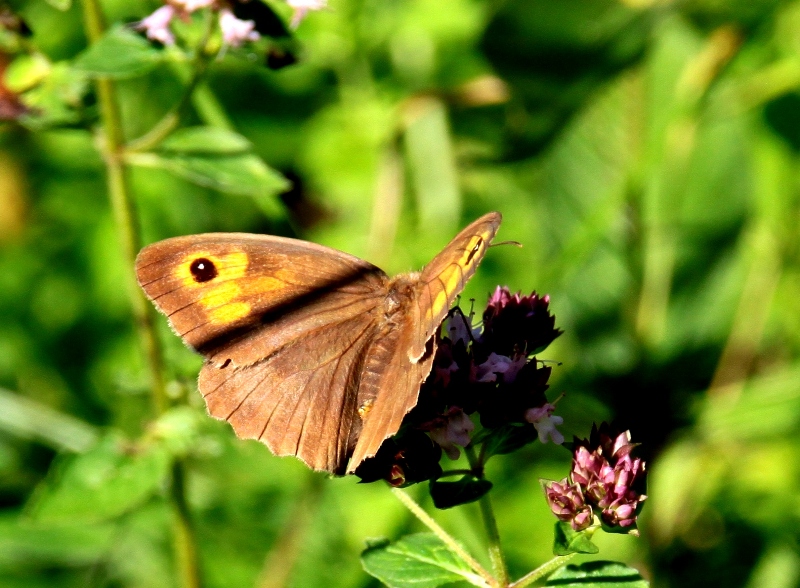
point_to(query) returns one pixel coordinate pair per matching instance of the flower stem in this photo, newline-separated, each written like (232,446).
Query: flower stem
(448,540)
(124,212)
(113,147)
(489,522)
(542,571)
(170,121)
(183,537)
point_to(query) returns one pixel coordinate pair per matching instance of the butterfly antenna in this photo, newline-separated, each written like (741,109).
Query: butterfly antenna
(514,243)
(467,321)
(553,361)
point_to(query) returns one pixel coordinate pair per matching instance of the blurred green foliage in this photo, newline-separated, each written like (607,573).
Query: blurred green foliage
(644,152)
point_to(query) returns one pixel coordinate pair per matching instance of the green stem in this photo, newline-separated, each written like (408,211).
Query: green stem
(542,571)
(170,121)
(447,473)
(124,212)
(113,147)
(489,522)
(448,540)
(183,537)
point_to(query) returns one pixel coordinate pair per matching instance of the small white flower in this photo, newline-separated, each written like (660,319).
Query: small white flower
(236,31)
(156,26)
(500,364)
(302,7)
(458,328)
(455,432)
(546,422)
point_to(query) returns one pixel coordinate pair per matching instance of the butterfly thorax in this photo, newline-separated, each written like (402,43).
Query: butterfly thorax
(402,291)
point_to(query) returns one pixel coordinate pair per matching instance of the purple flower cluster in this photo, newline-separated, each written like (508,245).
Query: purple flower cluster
(488,370)
(605,480)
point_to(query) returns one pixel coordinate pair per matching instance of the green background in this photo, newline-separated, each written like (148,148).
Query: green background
(644,152)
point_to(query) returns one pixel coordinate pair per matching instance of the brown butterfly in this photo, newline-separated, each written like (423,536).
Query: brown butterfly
(312,351)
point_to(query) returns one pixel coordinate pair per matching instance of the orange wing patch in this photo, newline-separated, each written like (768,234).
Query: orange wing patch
(228,266)
(454,276)
(221,295)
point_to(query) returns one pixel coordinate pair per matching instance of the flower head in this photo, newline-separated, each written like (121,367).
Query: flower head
(450,430)
(545,421)
(156,26)
(236,31)
(513,323)
(302,7)
(610,479)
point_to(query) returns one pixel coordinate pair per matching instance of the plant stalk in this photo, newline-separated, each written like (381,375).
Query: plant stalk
(170,121)
(448,540)
(123,209)
(542,571)
(489,522)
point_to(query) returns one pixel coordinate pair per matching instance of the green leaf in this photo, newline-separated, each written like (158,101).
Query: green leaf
(51,546)
(597,574)
(177,430)
(119,53)
(245,174)
(26,71)
(205,141)
(568,541)
(62,5)
(106,481)
(417,561)
(508,438)
(450,494)
(57,99)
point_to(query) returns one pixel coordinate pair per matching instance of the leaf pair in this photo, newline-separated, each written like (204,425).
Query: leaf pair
(424,561)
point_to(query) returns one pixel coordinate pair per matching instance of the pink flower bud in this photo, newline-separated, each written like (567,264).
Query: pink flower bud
(567,503)
(156,26)
(236,31)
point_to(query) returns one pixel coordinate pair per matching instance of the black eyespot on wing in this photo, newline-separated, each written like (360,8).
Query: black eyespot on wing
(475,249)
(203,270)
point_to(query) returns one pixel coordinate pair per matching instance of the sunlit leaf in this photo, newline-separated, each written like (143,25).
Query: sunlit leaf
(62,5)
(597,574)
(245,174)
(26,71)
(567,540)
(119,53)
(57,99)
(417,561)
(205,140)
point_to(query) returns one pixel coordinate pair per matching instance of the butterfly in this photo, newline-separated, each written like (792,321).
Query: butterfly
(314,352)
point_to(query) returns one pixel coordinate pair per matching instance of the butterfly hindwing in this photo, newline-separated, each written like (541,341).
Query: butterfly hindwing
(303,399)
(410,360)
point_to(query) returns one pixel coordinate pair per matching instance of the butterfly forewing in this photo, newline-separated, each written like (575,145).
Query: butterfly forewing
(285,326)
(218,287)
(443,279)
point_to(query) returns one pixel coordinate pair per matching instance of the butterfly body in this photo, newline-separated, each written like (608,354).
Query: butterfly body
(310,350)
